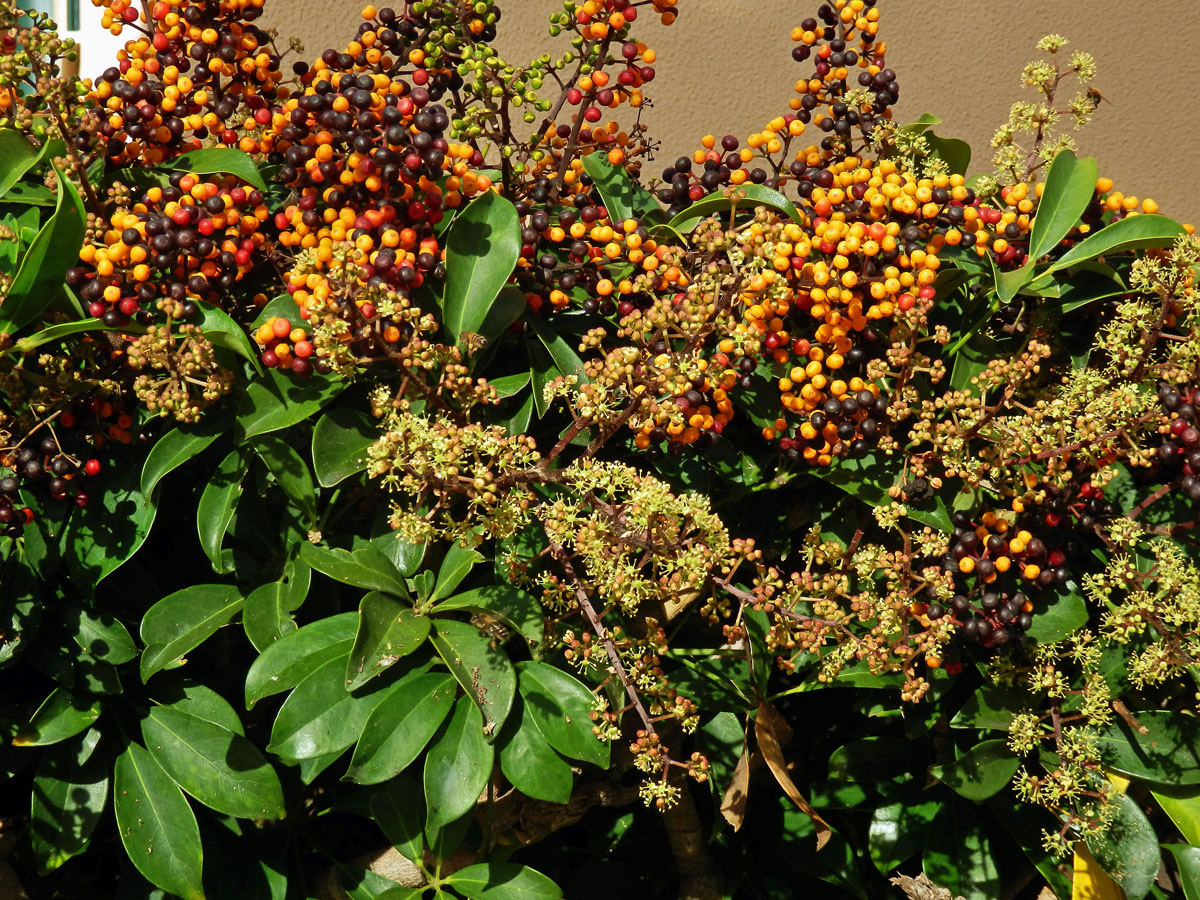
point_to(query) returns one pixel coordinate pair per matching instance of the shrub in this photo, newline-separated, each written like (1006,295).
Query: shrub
(405,490)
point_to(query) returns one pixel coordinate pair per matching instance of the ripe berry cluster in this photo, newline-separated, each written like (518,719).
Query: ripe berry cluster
(200,73)
(187,242)
(1179,452)
(285,347)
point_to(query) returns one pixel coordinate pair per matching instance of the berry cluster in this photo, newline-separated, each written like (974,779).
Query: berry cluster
(187,242)
(201,73)
(988,551)
(285,347)
(1180,449)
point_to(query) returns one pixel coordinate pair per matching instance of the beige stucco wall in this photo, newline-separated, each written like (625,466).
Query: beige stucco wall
(724,66)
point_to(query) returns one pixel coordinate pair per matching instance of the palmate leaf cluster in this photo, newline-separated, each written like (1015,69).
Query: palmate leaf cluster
(437,624)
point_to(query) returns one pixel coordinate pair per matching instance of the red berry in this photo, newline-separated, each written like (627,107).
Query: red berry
(92,467)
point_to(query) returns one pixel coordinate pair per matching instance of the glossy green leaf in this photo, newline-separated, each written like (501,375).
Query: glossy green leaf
(456,565)
(1182,806)
(157,827)
(756,195)
(530,763)
(182,621)
(1130,233)
(201,701)
(484,671)
(1187,859)
(870,478)
(562,351)
(291,659)
(989,707)
(518,609)
(339,444)
(406,557)
(873,759)
(959,857)
(481,252)
(60,716)
(897,832)
(70,790)
(1070,186)
(388,630)
(319,718)
(955,153)
(1129,850)
(17,156)
(509,385)
(1062,616)
(100,635)
(176,447)
(457,766)
(503,881)
(561,707)
(398,809)
(39,278)
(66,329)
(1168,754)
(108,531)
(508,306)
(280,399)
(217,504)
(401,726)
(218,767)
(984,770)
(623,196)
(267,615)
(227,160)
(221,331)
(290,471)
(366,568)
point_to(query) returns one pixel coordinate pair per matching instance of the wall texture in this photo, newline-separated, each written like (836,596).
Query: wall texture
(724,66)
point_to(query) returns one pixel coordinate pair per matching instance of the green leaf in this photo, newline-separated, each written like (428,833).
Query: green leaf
(176,447)
(387,632)
(982,771)
(509,385)
(484,671)
(561,705)
(873,759)
(1070,186)
(40,275)
(989,707)
(157,827)
(516,608)
(1188,860)
(507,308)
(366,568)
(108,531)
(182,621)
(222,331)
(217,503)
(756,195)
(958,855)
(1168,754)
(280,399)
(623,196)
(66,329)
(267,615)
(955,153)
(531,764)
(201,701)
(400,727)
(457,766)
(503,881)
(319,718)
(1128,850)
(101,635)
(70,790)
(218,767)
(1009,283)
(60,716)
(1131,233)
(397,811)
(339,444)
(456,565)
(290,471)
(566,360)
(481,253)
(227,160)
(1182,806)
(406,557)
(870,478)
(1063,616)
(291,659)
(17,156)
(897,832)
